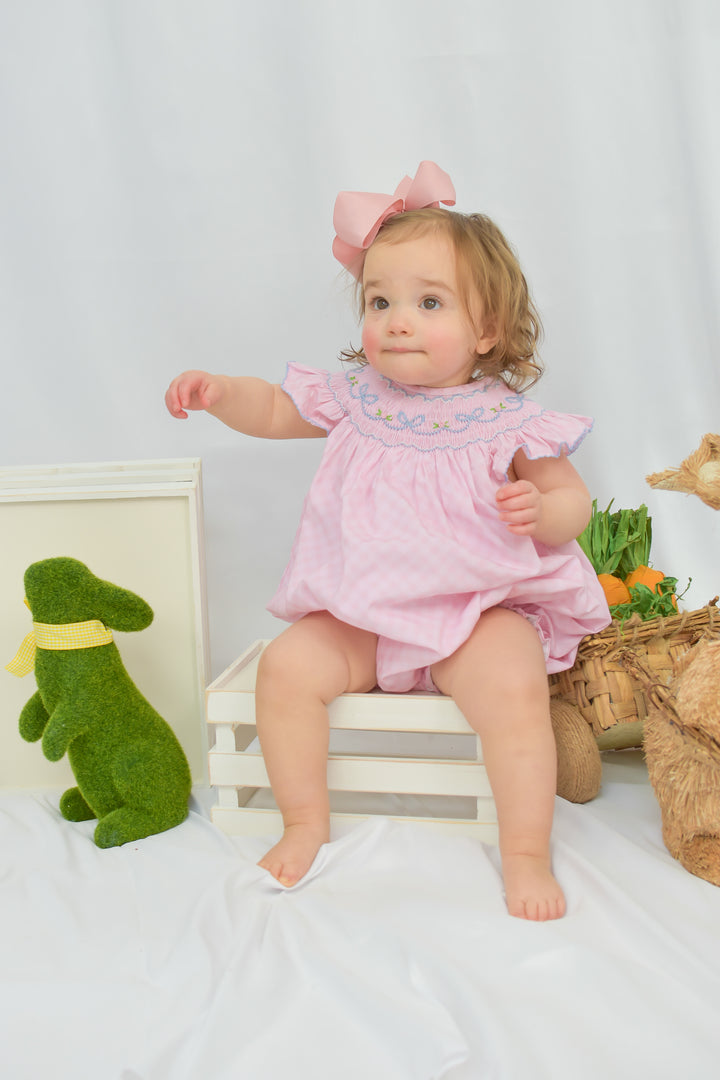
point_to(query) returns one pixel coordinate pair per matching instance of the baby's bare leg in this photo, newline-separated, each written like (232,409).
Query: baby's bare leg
(499,681)
(300,673)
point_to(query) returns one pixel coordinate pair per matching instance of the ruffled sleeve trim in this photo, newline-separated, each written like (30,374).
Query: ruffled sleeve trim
(549,434)
(313,396)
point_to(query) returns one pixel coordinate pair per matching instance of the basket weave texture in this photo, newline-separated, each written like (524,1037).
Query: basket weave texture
(600,685)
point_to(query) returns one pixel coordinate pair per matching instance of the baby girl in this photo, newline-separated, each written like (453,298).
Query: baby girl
(436,549)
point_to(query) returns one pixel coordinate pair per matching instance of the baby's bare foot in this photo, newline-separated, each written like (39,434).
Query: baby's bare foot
(293,855)
(531,891)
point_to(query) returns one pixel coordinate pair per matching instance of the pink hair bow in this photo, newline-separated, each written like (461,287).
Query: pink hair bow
(359,215)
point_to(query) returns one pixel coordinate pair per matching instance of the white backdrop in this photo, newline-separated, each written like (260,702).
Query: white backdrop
(167,177)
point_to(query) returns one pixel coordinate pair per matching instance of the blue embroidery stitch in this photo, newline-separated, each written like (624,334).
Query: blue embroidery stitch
(484,427)
(410,422)
(555,445)
(362,393)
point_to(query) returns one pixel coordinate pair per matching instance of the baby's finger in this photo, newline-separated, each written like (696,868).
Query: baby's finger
(193,392)
(504,493)
(522,530)
(172,402)
(519,504)
(515,487)
(519,518)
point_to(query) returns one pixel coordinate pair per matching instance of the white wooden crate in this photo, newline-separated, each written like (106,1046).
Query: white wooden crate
(405,756)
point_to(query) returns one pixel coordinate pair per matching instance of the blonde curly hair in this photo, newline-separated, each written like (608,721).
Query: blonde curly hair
(488,270)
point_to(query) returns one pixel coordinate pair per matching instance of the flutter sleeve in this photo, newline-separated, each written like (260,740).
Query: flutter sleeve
(547,434)
(312,393)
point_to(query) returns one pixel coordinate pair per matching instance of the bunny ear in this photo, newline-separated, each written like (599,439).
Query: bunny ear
(119,608)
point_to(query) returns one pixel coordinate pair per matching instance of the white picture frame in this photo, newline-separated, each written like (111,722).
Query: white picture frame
(138,524)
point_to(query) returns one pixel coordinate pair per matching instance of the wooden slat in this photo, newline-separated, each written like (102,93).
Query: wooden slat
(410,776)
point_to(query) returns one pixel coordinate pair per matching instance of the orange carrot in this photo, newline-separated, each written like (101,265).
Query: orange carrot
(644,575)
(616,591)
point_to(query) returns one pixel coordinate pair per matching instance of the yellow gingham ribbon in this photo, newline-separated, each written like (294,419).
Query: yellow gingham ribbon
(79,635)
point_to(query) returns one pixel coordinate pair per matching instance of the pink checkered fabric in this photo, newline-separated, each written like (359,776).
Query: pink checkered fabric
(400,534)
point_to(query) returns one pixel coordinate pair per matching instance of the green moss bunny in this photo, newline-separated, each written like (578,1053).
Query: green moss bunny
(131,772)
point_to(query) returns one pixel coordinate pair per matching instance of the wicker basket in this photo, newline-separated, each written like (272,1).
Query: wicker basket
(600,685)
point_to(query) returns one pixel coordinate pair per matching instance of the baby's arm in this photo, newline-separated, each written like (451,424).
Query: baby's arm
(250,405)
(548,501)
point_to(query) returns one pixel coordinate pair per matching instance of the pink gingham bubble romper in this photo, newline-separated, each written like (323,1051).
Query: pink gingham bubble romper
(400,534)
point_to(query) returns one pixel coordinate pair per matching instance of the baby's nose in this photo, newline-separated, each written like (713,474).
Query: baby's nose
(399,322)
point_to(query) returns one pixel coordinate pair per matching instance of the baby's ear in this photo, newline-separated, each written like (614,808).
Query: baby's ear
(488,336)
(119,608)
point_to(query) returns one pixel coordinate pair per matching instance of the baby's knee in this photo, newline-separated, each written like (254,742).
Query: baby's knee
(320,655)
(279,664)
(300,662)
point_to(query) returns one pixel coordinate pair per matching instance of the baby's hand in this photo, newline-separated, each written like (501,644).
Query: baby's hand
(193,390)
(520,506)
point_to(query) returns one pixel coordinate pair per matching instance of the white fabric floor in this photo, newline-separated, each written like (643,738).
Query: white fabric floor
(176,958)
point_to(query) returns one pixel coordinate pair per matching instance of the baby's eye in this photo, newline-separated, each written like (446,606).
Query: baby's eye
(431,303)
(377,303)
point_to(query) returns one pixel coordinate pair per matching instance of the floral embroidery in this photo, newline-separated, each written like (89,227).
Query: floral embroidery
(437,421)
(422,424)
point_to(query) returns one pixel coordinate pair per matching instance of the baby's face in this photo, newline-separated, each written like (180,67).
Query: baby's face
(416,329)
